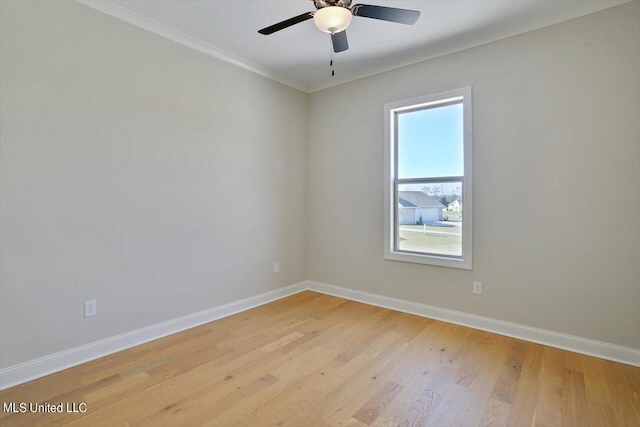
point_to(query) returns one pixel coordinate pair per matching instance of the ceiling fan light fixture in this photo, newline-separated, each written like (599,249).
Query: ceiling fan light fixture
(332,19)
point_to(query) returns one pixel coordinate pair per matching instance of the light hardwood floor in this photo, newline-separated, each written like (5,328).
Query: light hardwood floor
(316,360)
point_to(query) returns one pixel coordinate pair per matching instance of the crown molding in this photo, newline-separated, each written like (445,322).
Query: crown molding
(112,9)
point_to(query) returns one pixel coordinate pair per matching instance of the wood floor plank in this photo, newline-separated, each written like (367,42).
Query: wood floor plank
(527,396)
(574,398)
(319,361)
(599,415)
(548,410)
(311,400)
(553,362)
(421,409)
(480,370)
(595,380)
(625,396)
(373,407)
(496,413)
(431,373)
(448,406)
(505,386)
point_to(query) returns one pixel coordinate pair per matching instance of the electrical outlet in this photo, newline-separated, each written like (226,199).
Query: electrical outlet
(477,288)
(276,267)
(90,308)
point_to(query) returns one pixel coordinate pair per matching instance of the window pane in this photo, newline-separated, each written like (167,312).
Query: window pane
(430,142)
(429,218)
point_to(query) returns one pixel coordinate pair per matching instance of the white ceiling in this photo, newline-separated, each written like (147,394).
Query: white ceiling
(299,55)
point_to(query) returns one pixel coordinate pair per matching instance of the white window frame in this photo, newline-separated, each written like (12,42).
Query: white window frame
(390,179)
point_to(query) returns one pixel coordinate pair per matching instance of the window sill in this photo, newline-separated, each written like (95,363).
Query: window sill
(429,260)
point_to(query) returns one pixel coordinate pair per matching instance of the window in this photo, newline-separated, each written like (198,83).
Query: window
(428,179)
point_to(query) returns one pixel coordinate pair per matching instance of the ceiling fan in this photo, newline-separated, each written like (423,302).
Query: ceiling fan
(334,16)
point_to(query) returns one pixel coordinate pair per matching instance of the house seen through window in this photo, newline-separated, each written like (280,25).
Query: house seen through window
(428,180)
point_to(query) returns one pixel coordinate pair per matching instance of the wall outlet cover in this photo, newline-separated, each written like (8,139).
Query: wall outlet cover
(90,308)
(477,288)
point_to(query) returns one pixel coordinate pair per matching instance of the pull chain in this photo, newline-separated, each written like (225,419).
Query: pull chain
(331,58)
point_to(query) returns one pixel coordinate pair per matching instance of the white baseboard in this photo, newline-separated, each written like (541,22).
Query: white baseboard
(27,371)
(18,374)
(616,353)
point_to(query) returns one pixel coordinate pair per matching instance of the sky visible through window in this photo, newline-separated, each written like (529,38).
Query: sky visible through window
(430,143)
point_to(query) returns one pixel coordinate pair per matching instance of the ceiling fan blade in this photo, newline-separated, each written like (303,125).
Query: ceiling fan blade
(287,23)
(392,14)
(339,40)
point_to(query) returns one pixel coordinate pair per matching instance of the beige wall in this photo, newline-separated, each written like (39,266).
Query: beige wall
(556,178)
(137,172)
(160,181)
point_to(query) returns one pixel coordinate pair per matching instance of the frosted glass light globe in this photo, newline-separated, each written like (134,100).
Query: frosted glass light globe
(332,19)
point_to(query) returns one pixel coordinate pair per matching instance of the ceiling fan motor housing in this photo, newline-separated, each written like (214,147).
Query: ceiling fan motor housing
(319,4)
